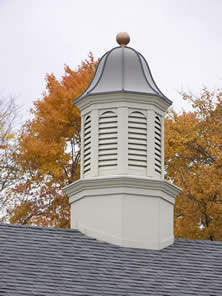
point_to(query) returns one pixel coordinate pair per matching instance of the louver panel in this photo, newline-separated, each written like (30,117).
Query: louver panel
(158,144)
(137,140)
(87,144)
(108,140)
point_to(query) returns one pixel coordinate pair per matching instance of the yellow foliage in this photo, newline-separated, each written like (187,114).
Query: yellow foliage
(193,158)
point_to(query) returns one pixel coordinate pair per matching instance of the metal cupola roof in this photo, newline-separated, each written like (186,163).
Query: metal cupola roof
(123,69)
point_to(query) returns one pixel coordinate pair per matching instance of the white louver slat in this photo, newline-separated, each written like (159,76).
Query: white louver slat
(137,140)
(157,144)
(87,144)
(108,140)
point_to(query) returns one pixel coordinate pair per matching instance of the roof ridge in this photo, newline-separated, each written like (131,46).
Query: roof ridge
(37,227)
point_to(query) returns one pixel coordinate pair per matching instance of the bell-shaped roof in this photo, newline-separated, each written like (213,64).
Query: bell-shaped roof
(123,69)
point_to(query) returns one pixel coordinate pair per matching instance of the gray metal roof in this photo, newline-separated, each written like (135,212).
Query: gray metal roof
(123,69)
(46,261)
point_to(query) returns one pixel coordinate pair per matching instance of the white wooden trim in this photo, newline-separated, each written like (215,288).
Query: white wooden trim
(122,140)
(94,143)
(82,147)
(150,143)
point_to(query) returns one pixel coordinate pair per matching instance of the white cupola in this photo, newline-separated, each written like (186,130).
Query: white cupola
(122,197)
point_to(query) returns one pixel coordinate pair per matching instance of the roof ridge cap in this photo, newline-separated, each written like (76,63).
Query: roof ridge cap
(37,227)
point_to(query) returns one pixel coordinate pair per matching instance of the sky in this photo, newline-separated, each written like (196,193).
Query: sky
(181,40)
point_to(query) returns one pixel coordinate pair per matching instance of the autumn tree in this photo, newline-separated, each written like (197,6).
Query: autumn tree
(48,158)
(48,153)
(193,157)
(8,144)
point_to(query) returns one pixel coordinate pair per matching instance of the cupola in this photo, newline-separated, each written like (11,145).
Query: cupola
(123,69)
(122,197)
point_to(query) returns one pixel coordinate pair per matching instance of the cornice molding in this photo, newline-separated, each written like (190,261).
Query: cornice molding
(120,97)
(123,183)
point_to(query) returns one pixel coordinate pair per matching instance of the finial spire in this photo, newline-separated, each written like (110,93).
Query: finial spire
(123,38)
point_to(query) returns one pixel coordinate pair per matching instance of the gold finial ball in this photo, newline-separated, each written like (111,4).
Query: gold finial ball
(123,38)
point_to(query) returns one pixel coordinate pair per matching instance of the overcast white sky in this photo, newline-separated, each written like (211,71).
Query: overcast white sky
(181,40)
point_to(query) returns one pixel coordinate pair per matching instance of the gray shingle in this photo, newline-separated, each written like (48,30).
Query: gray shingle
(46,261)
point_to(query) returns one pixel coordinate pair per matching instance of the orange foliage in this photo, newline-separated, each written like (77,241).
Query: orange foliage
(48,151)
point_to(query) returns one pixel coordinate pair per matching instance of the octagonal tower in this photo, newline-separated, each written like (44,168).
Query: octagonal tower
(121,196)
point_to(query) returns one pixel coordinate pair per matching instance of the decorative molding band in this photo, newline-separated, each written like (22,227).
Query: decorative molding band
(121,184)
(123,97)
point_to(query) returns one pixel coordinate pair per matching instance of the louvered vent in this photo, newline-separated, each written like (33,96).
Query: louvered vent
(157,135)
(137,140)
(108,140)
(87,144)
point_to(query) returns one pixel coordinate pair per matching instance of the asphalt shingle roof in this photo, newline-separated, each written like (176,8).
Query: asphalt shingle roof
(46,261)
